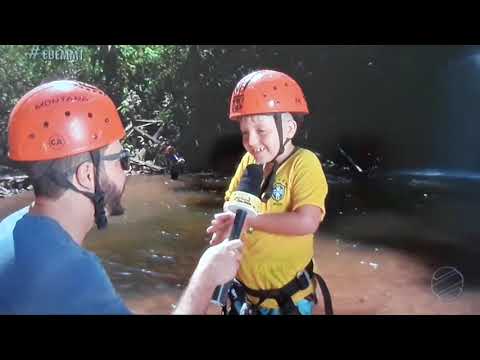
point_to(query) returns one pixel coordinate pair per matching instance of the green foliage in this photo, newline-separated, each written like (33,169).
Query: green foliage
(187,88)
(136,77)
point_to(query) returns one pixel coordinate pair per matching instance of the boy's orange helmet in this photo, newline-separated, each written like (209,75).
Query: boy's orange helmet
(60,119)
(267,92)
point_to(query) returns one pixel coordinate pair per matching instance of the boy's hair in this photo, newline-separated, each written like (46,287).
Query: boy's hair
(299,119)
(40,172)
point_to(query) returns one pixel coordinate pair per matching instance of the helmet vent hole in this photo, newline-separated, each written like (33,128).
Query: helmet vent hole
(107,120)
(286,84)
(264,95)
(67,113)
(45,124)
(90,115)
(31,136)
(274,88)
(95,136)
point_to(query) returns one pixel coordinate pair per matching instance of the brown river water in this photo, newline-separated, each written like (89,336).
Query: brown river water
(151,251)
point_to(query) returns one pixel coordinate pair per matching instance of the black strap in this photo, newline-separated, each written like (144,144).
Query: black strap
(99,195)
(267,185)
(327,299)
(278,124)
(97,198)
(283,296)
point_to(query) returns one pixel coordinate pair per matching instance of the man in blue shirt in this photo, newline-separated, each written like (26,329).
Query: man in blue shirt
(66,136)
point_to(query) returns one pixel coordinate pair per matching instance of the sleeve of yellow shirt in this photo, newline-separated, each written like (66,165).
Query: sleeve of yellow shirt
(309,185)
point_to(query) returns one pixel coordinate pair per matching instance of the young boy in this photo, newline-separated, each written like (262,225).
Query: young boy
(277,266)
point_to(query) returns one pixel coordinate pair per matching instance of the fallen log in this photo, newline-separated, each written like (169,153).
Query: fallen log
(149,121)
(129,133)
(13,178)
(143,125)
(150,166)
(129,126)
(156,141)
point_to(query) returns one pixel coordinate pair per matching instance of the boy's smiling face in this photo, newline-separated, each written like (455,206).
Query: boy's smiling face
(260,137)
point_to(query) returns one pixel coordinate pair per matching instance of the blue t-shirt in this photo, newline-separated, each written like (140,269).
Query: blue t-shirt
(51,274)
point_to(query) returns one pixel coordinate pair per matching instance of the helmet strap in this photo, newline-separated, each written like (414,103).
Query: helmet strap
(278,125)
(97,198)
(99,195)
(267,185)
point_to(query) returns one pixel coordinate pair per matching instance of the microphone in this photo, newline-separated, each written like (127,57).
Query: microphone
(243,202)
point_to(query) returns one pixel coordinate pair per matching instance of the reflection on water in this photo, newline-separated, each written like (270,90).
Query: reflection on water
(377,250)
(154,247)
(375,261)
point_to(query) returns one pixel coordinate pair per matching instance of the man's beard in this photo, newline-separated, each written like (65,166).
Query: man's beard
(113,197)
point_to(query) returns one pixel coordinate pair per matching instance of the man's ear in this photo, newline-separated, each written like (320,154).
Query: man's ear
(84,176)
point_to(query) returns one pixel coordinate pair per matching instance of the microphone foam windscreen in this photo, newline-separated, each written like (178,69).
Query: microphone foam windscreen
(252,180)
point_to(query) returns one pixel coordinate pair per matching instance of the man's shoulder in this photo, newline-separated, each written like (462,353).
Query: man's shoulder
(89,264)
(93,292)
(42,230)
(8,224)
(40,241)
(77,279)
(7,247)
(13,217)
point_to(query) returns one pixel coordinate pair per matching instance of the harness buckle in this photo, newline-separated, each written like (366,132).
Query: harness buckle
(304,279)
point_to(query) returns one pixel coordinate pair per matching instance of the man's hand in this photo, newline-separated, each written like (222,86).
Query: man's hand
(218,265)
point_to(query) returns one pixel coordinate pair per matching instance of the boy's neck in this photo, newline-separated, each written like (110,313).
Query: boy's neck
(289,149)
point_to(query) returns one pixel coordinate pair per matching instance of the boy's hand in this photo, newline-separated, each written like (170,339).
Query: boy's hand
(221,227)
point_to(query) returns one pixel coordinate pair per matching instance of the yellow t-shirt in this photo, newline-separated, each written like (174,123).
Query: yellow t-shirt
(270,260)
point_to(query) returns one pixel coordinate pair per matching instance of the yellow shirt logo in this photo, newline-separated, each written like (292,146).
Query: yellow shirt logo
(278,192)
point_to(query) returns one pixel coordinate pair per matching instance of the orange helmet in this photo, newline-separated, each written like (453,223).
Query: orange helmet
(267,92)
(60,119)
